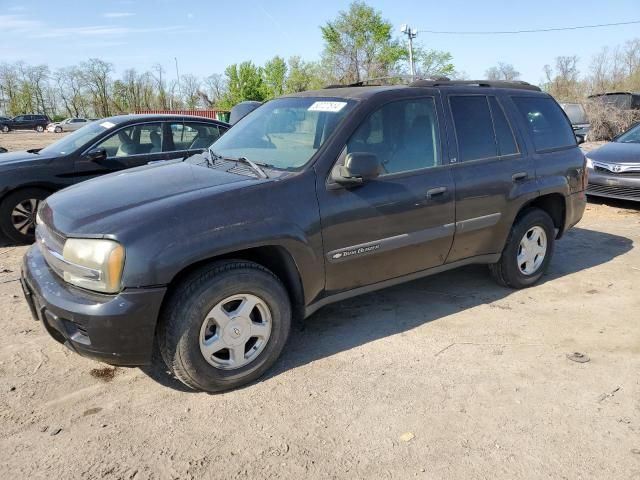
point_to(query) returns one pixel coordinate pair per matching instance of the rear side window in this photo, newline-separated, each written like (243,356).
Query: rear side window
(474,129)
(546,122)
(504,135)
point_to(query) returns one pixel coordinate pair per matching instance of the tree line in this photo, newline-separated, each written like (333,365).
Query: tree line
(358,45)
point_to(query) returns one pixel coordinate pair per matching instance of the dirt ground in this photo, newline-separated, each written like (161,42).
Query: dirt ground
(27,139)
(446,377)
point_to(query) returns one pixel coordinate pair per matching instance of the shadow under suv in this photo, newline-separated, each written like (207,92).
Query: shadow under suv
(309,199)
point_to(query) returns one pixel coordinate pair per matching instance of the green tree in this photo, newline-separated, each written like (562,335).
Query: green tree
(275,76)
(433,63)
(358,45)
(303,76)
(244,82)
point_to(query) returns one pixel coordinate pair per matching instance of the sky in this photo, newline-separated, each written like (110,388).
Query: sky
(206,36)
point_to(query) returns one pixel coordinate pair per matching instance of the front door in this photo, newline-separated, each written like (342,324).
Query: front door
(401,222)
(129,147)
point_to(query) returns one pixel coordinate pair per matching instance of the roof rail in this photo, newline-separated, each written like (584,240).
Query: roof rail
(378,81)
(516,84)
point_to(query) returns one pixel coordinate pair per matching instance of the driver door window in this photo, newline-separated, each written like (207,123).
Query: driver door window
(403,134)
(134,140)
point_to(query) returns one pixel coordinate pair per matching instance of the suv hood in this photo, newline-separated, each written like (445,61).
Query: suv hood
(615,152)
(108,204)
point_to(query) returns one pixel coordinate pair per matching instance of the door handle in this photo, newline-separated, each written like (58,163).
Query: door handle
(519,176)
(436,191)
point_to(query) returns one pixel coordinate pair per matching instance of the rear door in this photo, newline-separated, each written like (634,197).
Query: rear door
(191,137)
(493,174)
(401,222)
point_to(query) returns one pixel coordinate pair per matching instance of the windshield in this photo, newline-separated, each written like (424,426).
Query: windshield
(576,113)
(283,133)
(630,136)
(77,139)
(618,100)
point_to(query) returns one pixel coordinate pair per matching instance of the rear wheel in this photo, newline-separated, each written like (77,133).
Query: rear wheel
(5,129)
(224,326)
(18,214)
(528,251)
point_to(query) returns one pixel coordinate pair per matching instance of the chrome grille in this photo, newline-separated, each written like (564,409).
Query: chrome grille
(614,191)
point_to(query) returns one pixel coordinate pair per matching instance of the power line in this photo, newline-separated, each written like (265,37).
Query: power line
(538,30)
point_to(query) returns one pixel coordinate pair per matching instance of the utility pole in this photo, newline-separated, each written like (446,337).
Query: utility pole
(411,34)
(178,76)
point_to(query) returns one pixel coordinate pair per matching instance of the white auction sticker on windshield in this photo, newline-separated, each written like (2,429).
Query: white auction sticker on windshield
(332,107)
(107,125)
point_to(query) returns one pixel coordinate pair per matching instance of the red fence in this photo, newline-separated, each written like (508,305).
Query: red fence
(214,114)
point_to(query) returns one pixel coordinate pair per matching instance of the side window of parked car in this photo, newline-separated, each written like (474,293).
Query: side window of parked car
(403,134)
(194,135)
(134,140)
(546,122)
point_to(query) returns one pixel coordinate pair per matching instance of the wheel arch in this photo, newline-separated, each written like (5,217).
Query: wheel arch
(273,257)
(41,186)
(554,204)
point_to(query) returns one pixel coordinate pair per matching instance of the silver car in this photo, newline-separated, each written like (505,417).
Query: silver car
(67,125)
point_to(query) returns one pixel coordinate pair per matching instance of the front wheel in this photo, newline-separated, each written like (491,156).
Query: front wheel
(39,129)
(528,251)
(58,130)
(18,214)
(5,129)
(224,326)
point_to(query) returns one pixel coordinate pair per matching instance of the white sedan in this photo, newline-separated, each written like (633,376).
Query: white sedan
(67,125)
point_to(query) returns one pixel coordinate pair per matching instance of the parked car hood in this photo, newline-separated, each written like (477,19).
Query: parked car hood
(111,203)
(9,158)
(616,152)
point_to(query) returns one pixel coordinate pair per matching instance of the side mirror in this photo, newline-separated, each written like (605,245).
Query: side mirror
(96,154)
(358,168)
(579,139)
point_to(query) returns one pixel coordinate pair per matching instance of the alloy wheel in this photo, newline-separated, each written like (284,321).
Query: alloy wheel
(23,216)
(235,331)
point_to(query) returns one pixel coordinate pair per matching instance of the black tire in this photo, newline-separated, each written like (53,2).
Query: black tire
(7,220)
(5,129)
(58,130)
(39,128)
(506,271)
(187,307)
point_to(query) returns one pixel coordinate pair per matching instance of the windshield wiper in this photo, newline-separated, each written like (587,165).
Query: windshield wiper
(255,166)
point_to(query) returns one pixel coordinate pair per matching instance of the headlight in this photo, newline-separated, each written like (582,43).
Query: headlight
(96,264)
(589,163)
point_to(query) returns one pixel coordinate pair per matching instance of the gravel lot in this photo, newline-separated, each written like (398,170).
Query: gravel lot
(445,377)
(27,139)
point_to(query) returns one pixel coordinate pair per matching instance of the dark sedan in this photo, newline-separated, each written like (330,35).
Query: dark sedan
(614,168)
(101,147)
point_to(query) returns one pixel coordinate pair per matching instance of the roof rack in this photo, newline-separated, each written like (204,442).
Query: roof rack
(379,81)
(516,84)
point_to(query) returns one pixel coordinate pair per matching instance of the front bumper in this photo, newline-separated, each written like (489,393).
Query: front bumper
(614,185)
(116,329)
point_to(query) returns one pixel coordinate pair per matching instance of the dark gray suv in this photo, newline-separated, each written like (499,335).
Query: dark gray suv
(25,122)
(309,199)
